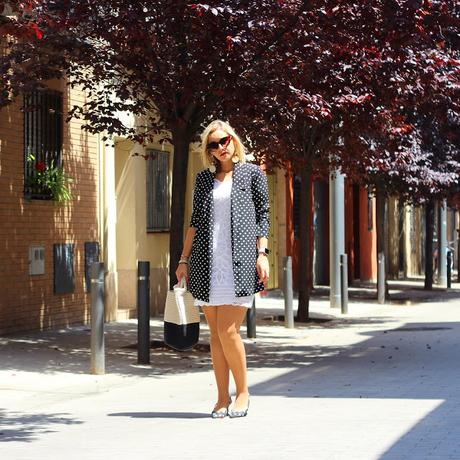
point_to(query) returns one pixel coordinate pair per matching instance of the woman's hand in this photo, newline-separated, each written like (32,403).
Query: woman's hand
(181,272)
(263,269)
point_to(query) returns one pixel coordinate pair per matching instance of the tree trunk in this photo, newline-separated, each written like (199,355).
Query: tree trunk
(181,140)
(381,217)
(305,271)
(429,232)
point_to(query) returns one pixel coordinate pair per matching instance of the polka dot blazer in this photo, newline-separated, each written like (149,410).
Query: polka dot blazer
(249,219)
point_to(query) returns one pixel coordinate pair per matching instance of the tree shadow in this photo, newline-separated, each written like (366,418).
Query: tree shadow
(400,292)
(167,415)
(407,292)
(68,350)
(17,426)
(412,362)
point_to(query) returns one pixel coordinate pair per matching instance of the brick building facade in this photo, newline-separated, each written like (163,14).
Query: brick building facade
(58,231)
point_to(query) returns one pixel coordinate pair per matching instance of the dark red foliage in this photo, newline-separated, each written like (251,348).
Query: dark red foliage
(371,87)
(170,62)
(349,88)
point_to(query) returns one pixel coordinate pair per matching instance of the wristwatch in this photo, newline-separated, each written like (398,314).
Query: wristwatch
(264,251)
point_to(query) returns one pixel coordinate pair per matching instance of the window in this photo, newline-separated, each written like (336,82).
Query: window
(43,132)
(157,191)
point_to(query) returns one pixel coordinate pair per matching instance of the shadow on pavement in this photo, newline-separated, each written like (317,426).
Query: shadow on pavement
(181,415)
(400,292)
(16,426)
(418,361)
(68,350)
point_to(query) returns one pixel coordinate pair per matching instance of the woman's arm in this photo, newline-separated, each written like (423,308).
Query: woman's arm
(262,242)
(182,267)
(263,267)
(188,242)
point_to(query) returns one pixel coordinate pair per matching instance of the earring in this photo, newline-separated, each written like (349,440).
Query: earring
(235,159)
(213,168)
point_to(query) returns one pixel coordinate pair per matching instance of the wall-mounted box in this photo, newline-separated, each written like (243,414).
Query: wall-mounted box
(64,271)
(36,260)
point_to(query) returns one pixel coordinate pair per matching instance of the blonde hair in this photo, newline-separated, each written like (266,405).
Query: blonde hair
(206,157)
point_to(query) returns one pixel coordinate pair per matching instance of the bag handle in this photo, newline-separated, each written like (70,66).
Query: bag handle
(182,283)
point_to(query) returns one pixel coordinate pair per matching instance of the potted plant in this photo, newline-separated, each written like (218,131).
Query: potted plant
(50,179)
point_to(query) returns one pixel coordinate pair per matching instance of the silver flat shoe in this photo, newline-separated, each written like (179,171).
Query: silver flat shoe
(238,413)
(221,414)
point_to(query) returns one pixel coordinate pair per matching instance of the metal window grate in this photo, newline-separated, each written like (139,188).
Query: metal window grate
(43,133)
(158,199)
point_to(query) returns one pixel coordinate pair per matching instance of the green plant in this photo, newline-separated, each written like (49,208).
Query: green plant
(50,179)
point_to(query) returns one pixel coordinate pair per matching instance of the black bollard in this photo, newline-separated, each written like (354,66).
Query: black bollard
(344,283)
(251,321)
(143,312)
(449,269)
(97,318)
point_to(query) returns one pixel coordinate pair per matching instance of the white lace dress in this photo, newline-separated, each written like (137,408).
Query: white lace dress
(222,290)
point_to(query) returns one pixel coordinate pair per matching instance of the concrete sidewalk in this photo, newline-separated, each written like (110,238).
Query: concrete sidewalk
(381,383)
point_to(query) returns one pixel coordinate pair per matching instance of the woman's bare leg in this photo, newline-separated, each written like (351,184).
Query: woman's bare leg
(219,362)
(229,319)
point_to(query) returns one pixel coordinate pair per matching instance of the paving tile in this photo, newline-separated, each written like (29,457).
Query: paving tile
(330,391)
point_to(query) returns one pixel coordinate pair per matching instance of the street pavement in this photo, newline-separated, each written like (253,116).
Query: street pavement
(382,382)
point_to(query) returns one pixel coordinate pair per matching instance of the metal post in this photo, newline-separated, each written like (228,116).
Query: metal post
(344,282)
(429,229)
(143,312)
(442,241)
(382,243)
(288,294)
(251,321)
(97,318)
(449,269)
(381,278)
(336,233)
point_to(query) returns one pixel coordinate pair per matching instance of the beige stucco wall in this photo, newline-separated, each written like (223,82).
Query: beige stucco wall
(134,243)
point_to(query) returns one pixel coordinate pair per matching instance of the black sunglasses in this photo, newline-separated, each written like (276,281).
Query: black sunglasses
(223,142)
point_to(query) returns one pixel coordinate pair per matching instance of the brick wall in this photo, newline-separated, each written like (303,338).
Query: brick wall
(27,302)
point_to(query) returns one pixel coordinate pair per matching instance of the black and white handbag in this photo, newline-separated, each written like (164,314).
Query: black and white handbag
(181,318)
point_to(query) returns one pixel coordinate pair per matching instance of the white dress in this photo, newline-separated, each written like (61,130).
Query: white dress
(222,289)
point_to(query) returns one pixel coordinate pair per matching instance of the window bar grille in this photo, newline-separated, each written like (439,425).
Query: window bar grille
(158,197)
(42,136)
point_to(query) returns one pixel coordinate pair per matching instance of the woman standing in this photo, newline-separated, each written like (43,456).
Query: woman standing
(225,254)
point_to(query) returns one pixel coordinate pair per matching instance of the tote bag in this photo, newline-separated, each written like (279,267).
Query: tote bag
(181,318)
